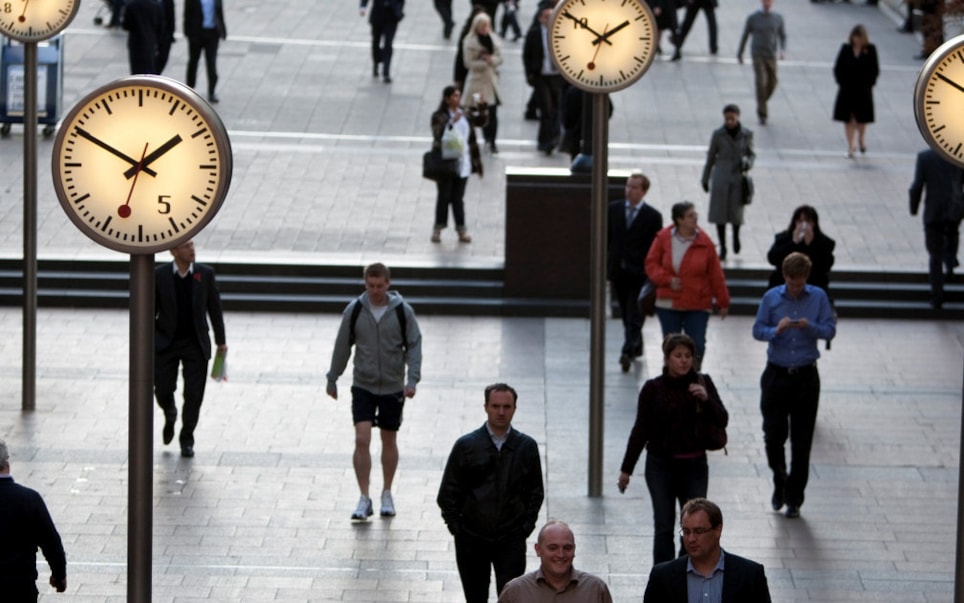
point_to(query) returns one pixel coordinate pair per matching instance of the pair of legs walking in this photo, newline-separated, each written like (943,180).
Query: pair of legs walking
(385,412)
(672,482)
(476,558)
(382,37)
(765,79)
(188,354)
(691,322)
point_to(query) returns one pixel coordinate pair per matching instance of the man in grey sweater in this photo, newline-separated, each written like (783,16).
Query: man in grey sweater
(769,43)
(383,330)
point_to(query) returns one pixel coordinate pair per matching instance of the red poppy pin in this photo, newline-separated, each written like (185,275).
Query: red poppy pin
(197,276)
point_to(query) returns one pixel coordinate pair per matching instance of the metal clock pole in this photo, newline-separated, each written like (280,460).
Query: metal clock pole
(140,494)
(597,275)
(29,372)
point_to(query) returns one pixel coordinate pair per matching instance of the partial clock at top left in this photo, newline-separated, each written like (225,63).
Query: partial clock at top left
(35,20)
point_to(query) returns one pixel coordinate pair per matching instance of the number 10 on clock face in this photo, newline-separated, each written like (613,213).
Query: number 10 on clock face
(141,165)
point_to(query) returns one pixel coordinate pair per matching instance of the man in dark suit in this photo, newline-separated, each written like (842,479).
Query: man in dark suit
(547,84)
(722,577)
(943,210)
(26,526)
(144,22)
(384,18)
(204,28)
(632,227)
(185,293)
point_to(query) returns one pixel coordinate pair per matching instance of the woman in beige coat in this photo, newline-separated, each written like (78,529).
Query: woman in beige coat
(482,54)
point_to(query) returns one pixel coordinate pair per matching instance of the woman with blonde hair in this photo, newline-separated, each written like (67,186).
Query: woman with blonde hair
(482,55)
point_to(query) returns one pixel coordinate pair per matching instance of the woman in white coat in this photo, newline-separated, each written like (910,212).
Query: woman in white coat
(482,55)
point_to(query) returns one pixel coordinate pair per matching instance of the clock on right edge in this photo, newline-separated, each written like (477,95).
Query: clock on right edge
(602,45)
(939,100)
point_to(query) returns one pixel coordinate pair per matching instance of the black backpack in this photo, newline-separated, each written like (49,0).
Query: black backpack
(402,322)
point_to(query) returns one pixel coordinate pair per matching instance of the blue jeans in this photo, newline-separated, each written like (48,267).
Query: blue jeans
(691,322)
(672,481)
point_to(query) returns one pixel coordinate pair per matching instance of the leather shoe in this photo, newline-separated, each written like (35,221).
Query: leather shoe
(625,362)
(777,499)
(187,452)
(213,98)
(168,433)
(793,511)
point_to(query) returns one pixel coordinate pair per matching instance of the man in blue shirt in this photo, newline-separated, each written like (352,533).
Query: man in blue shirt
(791,317)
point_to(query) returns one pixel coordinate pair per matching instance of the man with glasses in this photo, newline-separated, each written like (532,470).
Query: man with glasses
(706,573)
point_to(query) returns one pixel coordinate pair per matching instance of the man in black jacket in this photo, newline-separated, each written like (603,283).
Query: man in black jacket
(490,497)
(943,209)
(547,84)
(26,525)
(632,227)
(722,576)
(185,294)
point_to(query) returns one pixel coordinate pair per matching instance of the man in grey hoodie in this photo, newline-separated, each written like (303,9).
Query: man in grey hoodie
(386,337)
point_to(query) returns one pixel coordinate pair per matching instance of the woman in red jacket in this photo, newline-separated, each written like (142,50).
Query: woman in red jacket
(683,265)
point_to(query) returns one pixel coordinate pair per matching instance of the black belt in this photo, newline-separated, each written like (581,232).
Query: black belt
(792,370)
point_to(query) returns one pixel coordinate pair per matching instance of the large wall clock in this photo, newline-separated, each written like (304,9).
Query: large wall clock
(602,45)
(35,20)
(939,100)
(141,164)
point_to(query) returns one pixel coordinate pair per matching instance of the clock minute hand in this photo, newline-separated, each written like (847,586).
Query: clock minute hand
(585,26)
(85,134)
(951,82)
(142,166)
(605,36)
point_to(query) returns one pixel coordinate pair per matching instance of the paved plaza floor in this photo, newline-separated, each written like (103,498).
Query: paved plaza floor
(327,169)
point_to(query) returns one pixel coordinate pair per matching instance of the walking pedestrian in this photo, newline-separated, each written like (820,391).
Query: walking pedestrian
(855,71)
(204,28)
(769,43)
(185,294)
(384,18)
(729,157)
(490,497)
(382,328)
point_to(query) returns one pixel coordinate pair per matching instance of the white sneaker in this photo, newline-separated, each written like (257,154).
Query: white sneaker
(388,505)
(364,509)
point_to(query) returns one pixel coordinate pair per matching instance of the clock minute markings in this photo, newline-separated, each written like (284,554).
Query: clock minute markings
(949,81)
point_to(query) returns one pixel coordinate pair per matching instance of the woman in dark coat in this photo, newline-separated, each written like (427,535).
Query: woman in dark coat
(668,410)
(803,235)
(856,72)
(730,155)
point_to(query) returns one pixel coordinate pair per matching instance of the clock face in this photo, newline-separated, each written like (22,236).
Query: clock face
(939,100)
(141,164)
(35,20)
(602,45)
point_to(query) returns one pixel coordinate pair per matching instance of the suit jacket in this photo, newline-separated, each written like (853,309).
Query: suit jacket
(384,11)
(943,181)
(194,19)
(207,301)
(628,247)
(744,581)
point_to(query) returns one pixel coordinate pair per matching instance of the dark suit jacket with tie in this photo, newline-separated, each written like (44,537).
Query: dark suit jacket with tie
(744,581)
(194,19)
(628,247)
(206,302)
(943,181)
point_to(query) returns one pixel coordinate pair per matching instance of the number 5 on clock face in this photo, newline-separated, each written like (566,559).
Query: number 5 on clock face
(142,164)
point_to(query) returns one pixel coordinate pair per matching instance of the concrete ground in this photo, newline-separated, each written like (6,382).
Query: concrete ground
(327,170)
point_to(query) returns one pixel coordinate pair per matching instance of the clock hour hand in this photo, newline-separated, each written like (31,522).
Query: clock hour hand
(605,36)
(164,148)
(950,81)
(85,134)
(581,23)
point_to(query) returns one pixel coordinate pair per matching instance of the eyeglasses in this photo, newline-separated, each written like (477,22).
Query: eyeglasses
(684,532)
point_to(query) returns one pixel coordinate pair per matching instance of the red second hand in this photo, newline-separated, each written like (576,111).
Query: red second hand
(124,211)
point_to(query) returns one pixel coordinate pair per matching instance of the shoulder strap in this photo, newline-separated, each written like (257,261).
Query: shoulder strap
(402,323)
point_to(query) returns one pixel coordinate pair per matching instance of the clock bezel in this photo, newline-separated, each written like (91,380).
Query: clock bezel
(588,86)
(925,80)
(46,35)
(194,101)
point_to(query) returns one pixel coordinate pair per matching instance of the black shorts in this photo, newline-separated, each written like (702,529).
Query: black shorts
(384,412)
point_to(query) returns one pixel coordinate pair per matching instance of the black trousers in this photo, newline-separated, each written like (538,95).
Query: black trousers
(195,367)
(789,405)
(548,90)
(207,42)
(451,192)
(382,37)
(476,558)
(942,240)
(627,286)
(690,18)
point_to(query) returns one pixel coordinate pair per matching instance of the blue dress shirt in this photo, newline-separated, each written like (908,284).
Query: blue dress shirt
(794,347)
